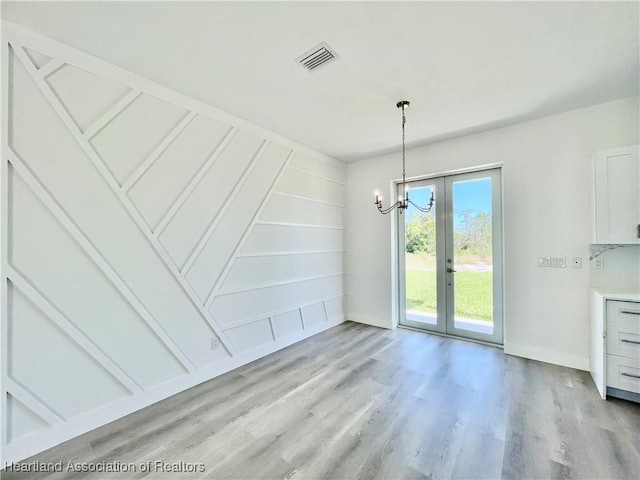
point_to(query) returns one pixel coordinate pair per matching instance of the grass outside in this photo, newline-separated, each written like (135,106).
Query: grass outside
(422,260)
(474,293)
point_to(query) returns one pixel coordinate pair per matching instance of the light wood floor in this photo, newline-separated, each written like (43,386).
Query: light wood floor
(362,402)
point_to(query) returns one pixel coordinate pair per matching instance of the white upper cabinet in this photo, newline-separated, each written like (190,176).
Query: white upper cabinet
(617,196)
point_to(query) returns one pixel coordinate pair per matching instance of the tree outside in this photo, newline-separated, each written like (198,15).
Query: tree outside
(472,244)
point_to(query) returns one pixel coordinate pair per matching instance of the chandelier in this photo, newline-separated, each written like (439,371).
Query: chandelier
(403,202)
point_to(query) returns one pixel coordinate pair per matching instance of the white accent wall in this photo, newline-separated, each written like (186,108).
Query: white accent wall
(149,242)
(547,205)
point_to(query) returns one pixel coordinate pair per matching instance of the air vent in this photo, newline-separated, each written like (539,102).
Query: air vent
(317,56)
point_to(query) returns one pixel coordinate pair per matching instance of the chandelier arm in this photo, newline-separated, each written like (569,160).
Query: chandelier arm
(422,209)
(385,211)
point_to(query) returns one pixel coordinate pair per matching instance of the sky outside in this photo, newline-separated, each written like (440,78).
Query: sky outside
(472,195)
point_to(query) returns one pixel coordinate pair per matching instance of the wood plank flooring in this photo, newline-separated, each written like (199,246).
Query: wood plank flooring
(362,402)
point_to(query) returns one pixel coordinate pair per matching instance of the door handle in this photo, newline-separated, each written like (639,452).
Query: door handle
(450,270)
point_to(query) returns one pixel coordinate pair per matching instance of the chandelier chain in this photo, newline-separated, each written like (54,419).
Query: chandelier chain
(404,119)
(403,199)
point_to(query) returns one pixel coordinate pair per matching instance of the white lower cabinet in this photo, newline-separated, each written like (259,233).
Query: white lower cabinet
(615,344)
(623,373)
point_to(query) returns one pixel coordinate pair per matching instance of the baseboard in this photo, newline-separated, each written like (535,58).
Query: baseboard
(39,441)
(548,356)
(623,394)
(369,320)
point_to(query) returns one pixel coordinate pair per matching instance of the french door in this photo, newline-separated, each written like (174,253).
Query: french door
(450,259)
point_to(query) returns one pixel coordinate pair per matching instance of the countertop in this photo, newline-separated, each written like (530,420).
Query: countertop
(612,294)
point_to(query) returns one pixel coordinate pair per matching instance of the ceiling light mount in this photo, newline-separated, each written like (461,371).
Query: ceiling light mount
(403,200)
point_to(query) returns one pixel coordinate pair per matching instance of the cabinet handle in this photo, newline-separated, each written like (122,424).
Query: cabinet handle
(630,312)
(638,230)
(630,341)
(630,375)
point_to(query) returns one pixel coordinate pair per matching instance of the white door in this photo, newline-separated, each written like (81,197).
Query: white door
(450,259)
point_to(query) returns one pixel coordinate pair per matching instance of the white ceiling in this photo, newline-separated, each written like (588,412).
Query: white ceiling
(465,67)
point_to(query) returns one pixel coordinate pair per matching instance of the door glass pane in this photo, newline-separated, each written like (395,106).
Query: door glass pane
(420,259)
(473,255)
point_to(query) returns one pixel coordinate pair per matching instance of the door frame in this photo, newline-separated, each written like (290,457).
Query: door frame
(445,326)
(440,327)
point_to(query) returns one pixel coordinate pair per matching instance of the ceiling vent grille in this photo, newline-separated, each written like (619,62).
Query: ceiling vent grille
(317,56)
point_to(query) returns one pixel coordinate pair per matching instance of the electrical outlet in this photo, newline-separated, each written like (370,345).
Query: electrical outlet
(215,343)
(544,261)
(558,262)
(598,263)
(555,262)
(577,262)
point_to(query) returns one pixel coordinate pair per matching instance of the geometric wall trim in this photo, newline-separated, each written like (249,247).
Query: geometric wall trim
(38,59)
(53,367)
(85,96)
(149,242)
(157,191)
(122,147)
(113,326)
(22,420)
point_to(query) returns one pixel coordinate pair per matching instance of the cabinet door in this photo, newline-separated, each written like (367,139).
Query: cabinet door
(617,195)
(597,352)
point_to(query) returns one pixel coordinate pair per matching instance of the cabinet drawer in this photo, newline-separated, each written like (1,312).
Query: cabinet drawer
(627,313)
(623,373)
(623,338)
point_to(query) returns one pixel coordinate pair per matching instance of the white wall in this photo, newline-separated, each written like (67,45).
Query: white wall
(546,167)
(150,242)
(621,269)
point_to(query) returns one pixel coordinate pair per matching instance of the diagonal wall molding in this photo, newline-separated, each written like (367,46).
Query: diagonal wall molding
(218,199)
(47,46)
(155,154)
(61,321)
(50,68)
(97,258)
(110,114)
(221,213)
(114,185)
(227,268)
(33,403)
(191,186)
